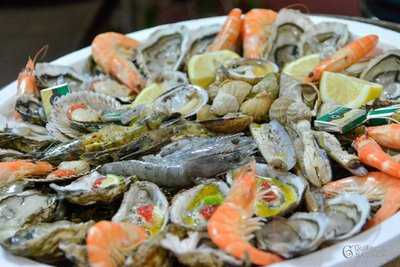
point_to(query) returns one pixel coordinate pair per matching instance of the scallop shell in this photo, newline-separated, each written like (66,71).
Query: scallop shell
(182,200)
(60,123)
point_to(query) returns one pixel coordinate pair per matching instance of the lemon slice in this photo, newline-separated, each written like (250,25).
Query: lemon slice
(202,68)
(347,91)
(301,67)
(148,94)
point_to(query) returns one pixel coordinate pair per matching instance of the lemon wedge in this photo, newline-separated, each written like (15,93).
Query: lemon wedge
(301,67)
(148,94)
(347,91)
(202,68)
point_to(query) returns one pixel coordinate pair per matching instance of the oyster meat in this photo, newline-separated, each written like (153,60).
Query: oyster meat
(144,204)
(300,234)
(193,207)
(41,241)
(93,188)
(165,50)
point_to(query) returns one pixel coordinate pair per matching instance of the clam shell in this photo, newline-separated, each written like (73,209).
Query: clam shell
(228,124)
(182,200)
(140,194)
(224,103)
(185,99)
(59,121)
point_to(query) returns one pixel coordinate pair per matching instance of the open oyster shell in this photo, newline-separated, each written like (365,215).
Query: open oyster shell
(41,241)
(21,209)
(93,188)
(300,234)
(165,50)
(144,204)
(188,207)
(49,75)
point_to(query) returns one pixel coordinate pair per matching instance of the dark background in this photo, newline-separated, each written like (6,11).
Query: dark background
(67,25)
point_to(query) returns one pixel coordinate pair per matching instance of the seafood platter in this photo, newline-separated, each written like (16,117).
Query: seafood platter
(255,139)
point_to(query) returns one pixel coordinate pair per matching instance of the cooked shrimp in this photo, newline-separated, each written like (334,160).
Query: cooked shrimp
(256,31)
(231,225)
(386,135)
(370,153)
(344,57)
(13,170)
(113,52)
(376,186)
(108,243)
(229,34)
(26,81)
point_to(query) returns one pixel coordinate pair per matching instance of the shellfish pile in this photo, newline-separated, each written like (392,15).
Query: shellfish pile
(198,147)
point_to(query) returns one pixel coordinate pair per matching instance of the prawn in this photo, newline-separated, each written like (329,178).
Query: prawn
(113,52)
(14,170)
(108,243)
(372,154)
(345,57)
(26,81)
(376,186)
(386,135)
(230,32)
(231,225)
(256,31)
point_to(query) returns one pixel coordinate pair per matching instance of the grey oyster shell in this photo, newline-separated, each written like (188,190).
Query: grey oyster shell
(84,190)
(165,50)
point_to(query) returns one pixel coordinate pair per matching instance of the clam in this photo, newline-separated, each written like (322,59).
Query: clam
(41,241)
(93,188)
(274,144)
(25,208)
(248,70)
(300,234)
(324,38)
(79,109)
(229,124)
(193,207)
(287,31)
(200,39)
(348,213)
(286,110)
(165,50)
(385,70)
(184,99)
(144,204)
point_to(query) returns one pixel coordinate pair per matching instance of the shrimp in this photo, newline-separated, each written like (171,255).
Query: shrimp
(256,31)
(230,32)
(26,81)
(14,170)
(344,57)
(386,135)
(108,243)
(376,186)
(231,225)
(113,52)
(370,153)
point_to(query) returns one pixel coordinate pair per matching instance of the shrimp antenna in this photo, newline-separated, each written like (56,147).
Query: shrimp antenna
(300,6)
(41,53)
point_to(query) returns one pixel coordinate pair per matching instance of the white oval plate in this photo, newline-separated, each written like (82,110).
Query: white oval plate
(370,248)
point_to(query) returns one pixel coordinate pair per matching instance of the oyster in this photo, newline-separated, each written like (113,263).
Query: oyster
(192,208)
(49,75)
(107,86)
(247,70)
(21,209)
(324,38)
(14,188)
(385,70)
(348,213)
(79,109)
(41,241)
(31,110)
(274,144)
(93,188)
(287,31)
(298,235)
(165,50)
(184,99)
(66,170)
(144,204)
(201,38)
